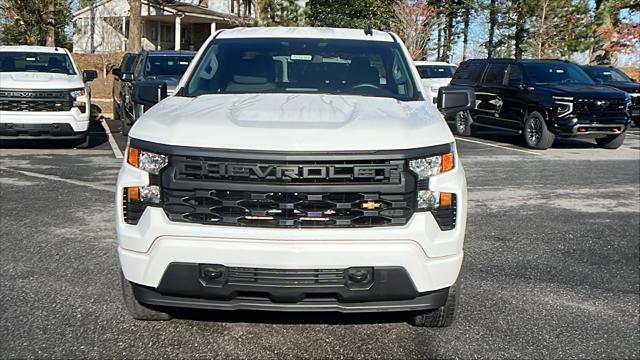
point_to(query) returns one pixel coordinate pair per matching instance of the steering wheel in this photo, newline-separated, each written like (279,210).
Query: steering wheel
(371,86)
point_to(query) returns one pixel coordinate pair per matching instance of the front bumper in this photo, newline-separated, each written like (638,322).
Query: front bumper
(71,124)
(430,257)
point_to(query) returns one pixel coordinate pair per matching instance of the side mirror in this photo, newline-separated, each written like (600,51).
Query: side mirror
(126,77)
(115,71)
(453,99)
(89,75)
(149,92)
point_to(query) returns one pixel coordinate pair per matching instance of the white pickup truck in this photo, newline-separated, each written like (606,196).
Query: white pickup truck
(293,169)
(43,94)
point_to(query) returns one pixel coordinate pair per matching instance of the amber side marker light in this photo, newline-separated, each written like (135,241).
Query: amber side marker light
(133,193)
(133,156)
(446,199)
(447,162)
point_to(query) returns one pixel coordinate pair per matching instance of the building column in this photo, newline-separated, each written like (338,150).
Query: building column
(123,30)
(178,30)
(213,27)
(158,37)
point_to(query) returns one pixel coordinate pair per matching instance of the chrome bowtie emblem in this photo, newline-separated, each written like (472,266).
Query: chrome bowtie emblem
(602,103)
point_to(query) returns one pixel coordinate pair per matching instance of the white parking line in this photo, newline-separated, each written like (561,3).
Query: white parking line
(57,178)
(498,146)
(114,146)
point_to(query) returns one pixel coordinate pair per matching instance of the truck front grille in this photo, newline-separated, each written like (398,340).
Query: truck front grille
(35,101)
(288,209)
(600,110)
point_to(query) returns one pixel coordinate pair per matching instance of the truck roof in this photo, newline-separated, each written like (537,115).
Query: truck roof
(304,33)
(28,48)
(441,63)
(169,52)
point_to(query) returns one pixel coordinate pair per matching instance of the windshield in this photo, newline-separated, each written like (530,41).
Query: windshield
(556,73)
(166,65)
(436,71)
(36,62)
(607,74)
(367,68)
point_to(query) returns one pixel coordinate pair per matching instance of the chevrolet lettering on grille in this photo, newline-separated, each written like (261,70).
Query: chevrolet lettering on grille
(289,173)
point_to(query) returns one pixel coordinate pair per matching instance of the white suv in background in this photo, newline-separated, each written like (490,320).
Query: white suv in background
(294,169)
(43,94)
(434,75)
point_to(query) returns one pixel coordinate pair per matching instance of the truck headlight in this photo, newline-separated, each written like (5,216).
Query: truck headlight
(564,108)
(147,161)
(137,198)
(441,204)
(75,95)
(432,165)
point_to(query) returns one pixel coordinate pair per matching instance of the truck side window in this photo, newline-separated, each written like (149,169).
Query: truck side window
(468,72)
(515,75)
(495,74)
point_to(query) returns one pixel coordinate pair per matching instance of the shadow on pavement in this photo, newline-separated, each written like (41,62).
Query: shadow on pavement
(517,140)
(275,317)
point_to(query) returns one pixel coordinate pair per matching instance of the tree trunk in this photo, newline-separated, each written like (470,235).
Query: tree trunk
(492,28)
(520,31)
(51,29)
(541,27)
(134,43)
(450,14)
(465,28)
(439,44)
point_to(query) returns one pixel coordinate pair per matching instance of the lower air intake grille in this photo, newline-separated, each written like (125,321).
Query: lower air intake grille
(281,277)
(303,210)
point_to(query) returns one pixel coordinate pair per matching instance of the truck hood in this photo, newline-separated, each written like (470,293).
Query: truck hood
(582,91)
(35,80)
(630,87)
(436,82)
(299,122)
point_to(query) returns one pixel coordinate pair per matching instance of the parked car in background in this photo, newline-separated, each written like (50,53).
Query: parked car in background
(435,74)
(268,183)
(542,99)
(608,75)
(126,67)
(166,66)
(43,94)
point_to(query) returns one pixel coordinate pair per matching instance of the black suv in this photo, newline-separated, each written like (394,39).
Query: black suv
(541,99)
(166,66)
(610,76)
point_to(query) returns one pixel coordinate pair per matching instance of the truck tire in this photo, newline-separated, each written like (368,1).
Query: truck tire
(462,123)
(536,134)
(443,316)
(611,142)
(137,310)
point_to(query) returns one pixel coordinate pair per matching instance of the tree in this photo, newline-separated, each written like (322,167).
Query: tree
(610,34)
(493,20)
(414,21)
(28,22)
(358,14)
(279,13)
(134,43)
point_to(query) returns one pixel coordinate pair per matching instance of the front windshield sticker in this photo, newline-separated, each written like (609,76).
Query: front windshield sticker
(301,57)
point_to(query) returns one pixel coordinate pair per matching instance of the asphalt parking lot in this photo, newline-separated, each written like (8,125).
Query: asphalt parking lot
(551,267)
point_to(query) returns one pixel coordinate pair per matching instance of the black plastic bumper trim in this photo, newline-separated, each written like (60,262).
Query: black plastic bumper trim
(58,131)
(424,301)
(184,279)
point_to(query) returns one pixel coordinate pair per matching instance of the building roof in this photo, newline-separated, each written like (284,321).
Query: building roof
(304,33)
(175,8)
